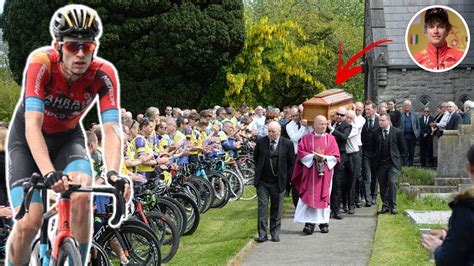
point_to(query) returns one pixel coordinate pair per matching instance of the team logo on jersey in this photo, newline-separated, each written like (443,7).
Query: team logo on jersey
(64,107)
(39,77)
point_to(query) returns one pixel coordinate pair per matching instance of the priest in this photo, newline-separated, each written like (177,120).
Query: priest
(318,153)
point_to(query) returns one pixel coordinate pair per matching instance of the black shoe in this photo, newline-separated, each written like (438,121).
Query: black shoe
(344,208)
(367,204)
(393,211)
(260,239)
(308,229)
(351,211)
(358,205)
(275,239)
(337,215)
(324,228)
(385,210)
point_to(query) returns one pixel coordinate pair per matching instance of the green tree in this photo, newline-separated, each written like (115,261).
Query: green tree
(324,22)
(9,93)
(276,65)
(166,52)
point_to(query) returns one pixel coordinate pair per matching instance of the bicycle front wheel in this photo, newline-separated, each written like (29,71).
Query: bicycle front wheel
(131,243)
(69,250)
(98,256)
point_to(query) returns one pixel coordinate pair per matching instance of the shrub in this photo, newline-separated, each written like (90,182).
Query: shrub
(9,94)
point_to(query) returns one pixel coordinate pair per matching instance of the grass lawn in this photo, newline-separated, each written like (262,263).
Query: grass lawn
(397,239)
(220,235)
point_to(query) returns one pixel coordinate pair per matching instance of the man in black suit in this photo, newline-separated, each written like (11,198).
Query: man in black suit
(390,146)
(340,129)
(274,159)
(368,154)
(454,118)
(426,139)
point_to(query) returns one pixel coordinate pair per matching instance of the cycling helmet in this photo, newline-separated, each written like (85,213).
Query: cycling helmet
(76,21)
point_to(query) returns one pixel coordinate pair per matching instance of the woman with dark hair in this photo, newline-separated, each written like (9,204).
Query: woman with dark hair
(438,55)
(455,246)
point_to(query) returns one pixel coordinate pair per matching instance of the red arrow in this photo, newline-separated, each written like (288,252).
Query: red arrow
(343,74)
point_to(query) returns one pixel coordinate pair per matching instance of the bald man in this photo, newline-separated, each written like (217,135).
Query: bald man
(274,158)
(312,176)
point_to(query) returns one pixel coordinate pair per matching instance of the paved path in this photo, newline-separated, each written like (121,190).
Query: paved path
(348,242)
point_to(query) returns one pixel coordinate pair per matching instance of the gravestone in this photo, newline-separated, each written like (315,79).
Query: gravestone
(429,217)
(452,150)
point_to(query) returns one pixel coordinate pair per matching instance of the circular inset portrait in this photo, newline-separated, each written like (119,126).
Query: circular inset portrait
(437,38)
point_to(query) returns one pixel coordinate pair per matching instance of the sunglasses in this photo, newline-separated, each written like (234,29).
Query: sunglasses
(341,115)
(74,47)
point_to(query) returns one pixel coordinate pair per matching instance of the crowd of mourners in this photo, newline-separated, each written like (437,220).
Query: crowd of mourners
(180,136)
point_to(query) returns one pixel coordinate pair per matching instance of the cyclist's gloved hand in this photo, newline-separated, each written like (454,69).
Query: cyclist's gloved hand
(52,177)
(119,183)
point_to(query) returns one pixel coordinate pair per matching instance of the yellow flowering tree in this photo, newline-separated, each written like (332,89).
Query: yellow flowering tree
(277,65)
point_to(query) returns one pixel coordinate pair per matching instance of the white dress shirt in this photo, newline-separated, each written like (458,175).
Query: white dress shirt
(360,122)
(351,143)
(296,134)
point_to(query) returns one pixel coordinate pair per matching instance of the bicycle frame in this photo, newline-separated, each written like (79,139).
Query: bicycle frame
(63,209)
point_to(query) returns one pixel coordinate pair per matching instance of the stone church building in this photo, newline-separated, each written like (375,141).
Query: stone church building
(389,70)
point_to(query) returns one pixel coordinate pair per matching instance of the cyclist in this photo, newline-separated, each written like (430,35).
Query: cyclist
(60,83)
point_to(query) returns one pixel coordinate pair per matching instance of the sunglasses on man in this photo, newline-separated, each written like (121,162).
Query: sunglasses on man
(75,46)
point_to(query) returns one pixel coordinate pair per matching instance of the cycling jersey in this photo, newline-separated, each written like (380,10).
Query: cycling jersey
(62,102)
(143,147)
(438,58)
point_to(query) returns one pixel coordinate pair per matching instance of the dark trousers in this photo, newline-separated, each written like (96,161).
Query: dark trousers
(266,192)
(349,186)
(426,151)
(369,179)
(339,173)
(387,175)
(410,143)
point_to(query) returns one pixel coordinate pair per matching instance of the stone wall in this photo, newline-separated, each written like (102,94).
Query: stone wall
(424,88)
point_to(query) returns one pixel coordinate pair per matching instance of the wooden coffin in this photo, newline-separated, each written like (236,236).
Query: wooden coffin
(326,103)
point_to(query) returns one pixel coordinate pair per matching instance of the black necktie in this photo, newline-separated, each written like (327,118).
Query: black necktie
(385,134)
(299,125)
(273,145)
(371,124)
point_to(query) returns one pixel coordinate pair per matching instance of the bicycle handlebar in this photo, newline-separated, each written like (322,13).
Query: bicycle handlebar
(36,182)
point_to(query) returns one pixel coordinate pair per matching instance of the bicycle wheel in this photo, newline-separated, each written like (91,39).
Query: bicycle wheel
(192,191)
(192,212)
(250,192)
(68,250)
(235,182)
(247,174)
(166,232)
(221,188)
(98,256)
(132,240)
(171,208)
(207,193)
